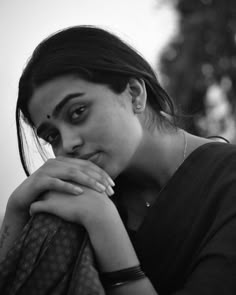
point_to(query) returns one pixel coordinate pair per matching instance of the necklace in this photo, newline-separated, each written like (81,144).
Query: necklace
(148,204)
(185,149)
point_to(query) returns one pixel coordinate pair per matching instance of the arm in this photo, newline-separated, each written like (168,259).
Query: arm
(61,175)
(116,252)
(212,270)
(112,246)
(11,228)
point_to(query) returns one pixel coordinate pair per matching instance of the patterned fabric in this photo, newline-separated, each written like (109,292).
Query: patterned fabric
(50,257)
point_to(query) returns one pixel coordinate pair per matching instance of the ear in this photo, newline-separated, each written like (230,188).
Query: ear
(137,90)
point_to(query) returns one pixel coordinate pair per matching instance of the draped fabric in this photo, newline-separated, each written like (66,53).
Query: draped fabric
(51,257)
(187,242)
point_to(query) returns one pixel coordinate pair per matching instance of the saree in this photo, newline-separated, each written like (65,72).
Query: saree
(51,256)
(187,242)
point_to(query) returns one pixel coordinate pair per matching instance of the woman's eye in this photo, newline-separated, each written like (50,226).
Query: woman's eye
(76,113)
(51,138)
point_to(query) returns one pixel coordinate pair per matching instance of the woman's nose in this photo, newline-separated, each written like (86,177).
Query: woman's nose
(71,141)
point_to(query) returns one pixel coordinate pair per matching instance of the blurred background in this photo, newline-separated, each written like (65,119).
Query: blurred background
(199,65)
(190,44)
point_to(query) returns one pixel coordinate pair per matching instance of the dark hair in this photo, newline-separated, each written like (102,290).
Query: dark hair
(95,55)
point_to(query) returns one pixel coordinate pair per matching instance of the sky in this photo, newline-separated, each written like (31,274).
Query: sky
(144,24)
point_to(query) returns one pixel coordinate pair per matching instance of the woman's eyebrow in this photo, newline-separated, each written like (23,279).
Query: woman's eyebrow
(57,110)
(64,101)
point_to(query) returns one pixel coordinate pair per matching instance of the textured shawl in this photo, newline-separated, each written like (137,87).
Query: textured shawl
(51,257)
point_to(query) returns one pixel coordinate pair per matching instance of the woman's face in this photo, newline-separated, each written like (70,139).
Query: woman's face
(86,120)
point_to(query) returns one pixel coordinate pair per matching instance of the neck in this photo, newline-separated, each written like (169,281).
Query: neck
(157,158)
(155,162)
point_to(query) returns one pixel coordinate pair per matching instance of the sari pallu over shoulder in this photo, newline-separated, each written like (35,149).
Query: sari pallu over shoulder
(53,257)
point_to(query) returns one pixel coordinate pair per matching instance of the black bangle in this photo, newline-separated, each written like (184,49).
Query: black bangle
(121,277)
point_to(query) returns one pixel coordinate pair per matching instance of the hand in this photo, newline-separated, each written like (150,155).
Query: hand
(65,175)
(89,208)
(98,214)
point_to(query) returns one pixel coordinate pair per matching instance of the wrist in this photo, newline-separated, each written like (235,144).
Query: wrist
(14,213)
(121,277)
(113,248)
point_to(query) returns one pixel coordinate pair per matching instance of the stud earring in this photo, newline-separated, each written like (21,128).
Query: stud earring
(138,107)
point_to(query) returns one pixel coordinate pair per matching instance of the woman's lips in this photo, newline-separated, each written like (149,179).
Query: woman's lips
(94,158)
(87,156)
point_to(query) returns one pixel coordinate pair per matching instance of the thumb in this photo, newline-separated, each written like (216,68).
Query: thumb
(39,206)
(55,206)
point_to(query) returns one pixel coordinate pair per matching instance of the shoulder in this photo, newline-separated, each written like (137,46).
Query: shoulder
(211,174)
(214,153)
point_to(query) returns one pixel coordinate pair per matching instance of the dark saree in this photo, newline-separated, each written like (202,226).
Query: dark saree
(51,257)
(187,242)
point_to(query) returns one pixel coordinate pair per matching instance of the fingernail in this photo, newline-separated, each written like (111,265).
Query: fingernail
(112,183)
(101,187)
(77,190)
(110,191)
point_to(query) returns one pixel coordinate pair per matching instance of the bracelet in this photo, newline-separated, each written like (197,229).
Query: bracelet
(121,277)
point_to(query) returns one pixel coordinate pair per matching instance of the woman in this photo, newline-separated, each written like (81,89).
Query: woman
(99,105)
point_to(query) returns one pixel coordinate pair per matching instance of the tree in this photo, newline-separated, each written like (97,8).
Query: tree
(201,54)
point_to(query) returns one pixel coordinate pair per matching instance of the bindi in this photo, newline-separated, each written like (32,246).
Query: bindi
(48,116)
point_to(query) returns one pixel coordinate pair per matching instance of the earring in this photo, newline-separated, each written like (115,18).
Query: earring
(138,108)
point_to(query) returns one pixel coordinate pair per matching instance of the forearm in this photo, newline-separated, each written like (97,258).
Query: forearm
(111,243)
(140,287)
(114,251)
(12,226)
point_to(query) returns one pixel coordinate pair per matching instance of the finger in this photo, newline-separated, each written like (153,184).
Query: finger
(37,207)
(103,180)
(63,186)
(54,205)
(89,164)
(79,176)
(43,206)
(110,191)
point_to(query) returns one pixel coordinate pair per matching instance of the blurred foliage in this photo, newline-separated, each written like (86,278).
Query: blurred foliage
(201,54)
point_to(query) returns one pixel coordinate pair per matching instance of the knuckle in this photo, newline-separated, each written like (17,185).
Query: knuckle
(103,179)
(37,185)
(38,180)
(71,172)
(90,181)
(58,184)
(53,183)
(85,163)
(39,174)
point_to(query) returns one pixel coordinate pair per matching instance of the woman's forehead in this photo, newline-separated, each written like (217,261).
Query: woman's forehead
(53,92)
(61,84)
(52,95)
